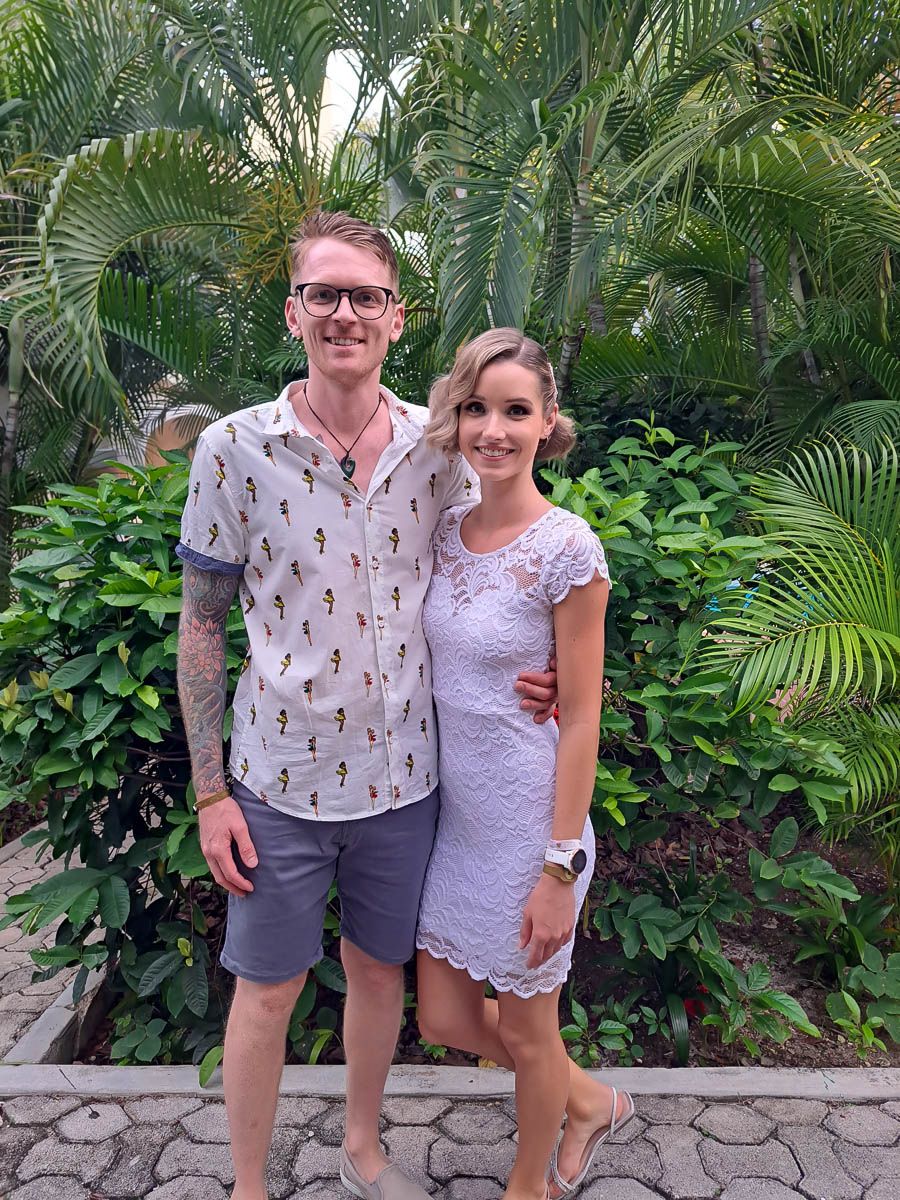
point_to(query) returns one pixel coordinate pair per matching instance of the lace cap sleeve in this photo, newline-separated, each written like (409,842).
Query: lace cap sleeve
(573,559)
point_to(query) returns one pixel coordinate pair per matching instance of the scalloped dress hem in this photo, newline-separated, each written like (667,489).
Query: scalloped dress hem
(459,965)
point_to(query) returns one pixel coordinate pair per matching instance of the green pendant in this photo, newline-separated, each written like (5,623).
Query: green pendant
(347,465)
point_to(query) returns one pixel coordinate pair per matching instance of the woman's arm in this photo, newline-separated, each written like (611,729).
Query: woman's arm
(579,625)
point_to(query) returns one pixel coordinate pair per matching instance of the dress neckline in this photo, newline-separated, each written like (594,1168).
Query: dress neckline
(500,549)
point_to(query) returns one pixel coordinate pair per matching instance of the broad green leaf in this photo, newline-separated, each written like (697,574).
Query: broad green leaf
(84,906)
(161,968)
(196,988)
(100,720)
(784,783)
(654,939)
(211,1060)
(784,837)
(115,901)
(331,973)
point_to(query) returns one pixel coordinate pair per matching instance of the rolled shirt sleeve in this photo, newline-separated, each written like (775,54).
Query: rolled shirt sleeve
(212,531)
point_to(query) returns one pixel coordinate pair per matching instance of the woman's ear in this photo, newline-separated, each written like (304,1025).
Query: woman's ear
(550,422)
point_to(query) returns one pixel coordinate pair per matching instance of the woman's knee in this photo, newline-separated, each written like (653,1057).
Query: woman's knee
(437,1026)
(524,1039)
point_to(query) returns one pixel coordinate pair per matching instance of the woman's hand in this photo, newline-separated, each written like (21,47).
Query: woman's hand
(549,919)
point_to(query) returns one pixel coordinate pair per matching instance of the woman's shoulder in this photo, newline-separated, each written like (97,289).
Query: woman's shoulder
(571,551)
(449,518)
(562,526)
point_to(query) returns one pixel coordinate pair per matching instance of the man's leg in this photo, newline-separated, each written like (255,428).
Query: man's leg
(380,872)
(272,933)
(254,1059)
(372,1014)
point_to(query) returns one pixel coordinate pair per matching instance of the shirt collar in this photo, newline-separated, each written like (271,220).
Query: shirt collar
(282,419)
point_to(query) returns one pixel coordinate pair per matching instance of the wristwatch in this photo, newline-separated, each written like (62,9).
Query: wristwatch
(565,864)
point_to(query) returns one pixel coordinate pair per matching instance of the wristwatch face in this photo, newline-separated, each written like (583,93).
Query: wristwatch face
(579,862)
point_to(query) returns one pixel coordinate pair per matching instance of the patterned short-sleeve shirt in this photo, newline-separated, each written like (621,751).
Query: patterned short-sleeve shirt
(333,714)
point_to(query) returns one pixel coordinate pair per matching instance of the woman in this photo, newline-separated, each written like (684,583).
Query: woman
(513,578)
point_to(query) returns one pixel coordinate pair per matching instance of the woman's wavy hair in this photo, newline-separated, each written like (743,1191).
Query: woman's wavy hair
(451,390)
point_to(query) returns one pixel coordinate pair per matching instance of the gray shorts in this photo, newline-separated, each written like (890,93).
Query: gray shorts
(275,932)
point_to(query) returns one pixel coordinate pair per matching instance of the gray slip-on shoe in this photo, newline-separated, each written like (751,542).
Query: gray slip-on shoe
(390,1184)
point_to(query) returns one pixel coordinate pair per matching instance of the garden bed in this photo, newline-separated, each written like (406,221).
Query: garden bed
(17,818)
(765,939)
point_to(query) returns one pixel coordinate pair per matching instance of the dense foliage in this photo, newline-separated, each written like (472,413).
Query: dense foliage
(90,721)
(695,207)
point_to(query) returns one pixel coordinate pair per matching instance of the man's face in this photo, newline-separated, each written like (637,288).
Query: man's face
(343,346)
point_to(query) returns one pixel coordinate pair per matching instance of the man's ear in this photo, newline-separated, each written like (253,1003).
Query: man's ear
(291,319)
(397,321)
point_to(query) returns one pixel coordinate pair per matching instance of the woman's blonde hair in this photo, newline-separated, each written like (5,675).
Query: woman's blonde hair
(451,390)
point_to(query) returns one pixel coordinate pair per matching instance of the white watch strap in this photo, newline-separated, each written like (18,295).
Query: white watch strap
(562,858)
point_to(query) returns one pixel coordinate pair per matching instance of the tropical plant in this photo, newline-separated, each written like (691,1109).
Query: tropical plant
(612,1030)
(156,160)
(823,631)
(89,719)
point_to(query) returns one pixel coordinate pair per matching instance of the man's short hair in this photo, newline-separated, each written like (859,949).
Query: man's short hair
(343,228)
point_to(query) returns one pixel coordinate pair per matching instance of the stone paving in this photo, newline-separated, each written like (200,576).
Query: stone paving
(21,1001)
(678,1148)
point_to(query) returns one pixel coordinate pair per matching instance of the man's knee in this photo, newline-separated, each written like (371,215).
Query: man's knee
(367,973)
(267,1001)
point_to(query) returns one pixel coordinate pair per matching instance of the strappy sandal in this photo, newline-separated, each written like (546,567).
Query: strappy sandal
(595,1141)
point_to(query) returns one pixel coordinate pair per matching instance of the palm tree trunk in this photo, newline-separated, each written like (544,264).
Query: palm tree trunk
(16,334)
(809,359)
(597,314)
(758,314)
(571,348)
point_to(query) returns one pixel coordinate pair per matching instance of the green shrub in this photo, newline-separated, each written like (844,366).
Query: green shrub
(671,517)
(89,720)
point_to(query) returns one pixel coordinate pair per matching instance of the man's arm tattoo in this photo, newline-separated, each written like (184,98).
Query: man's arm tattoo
(202,672)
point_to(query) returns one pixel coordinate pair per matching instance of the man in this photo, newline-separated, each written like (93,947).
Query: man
(318,508)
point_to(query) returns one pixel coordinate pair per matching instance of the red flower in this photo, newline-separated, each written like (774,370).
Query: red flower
(694,1006)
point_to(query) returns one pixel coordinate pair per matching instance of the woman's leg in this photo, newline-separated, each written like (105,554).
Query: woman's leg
(530,1031)
(588,1108)
(454,1011)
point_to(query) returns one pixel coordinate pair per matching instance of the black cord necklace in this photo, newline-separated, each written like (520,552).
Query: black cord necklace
(347,464)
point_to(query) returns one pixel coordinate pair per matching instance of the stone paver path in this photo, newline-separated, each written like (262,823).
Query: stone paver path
(679,1148)
(21,1001)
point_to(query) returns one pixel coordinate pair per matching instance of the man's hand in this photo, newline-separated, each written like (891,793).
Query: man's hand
(539,692)
(548,921)
(221,824)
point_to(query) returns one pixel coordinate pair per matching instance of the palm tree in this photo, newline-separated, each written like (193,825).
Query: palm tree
(823,630)
(771,243)
(712,186)
(149,251)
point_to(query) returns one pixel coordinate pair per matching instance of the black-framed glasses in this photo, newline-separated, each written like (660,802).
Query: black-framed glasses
(321,299)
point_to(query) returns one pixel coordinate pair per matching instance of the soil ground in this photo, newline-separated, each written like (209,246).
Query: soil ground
(18,818)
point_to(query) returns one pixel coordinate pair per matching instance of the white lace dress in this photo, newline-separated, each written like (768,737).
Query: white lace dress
(488,617)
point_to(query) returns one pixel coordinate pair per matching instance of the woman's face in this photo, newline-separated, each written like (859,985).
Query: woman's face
(501,423)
